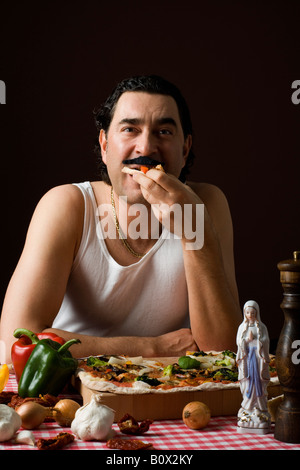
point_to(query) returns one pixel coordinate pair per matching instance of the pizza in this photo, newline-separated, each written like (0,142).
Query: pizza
(142,168)
(141,164)
(138,375)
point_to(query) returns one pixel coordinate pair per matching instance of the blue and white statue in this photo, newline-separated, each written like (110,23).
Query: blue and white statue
(253,363)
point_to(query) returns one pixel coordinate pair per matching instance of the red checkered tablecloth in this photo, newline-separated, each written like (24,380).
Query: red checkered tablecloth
(220,434)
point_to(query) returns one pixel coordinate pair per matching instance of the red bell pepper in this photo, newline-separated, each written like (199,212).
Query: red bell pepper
(21,349)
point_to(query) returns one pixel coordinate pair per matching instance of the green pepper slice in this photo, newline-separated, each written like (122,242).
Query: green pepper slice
(186,362)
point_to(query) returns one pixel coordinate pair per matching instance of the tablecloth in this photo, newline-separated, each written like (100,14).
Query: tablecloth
(220,434)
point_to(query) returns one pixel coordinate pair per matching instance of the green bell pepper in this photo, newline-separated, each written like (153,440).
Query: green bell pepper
(48,369)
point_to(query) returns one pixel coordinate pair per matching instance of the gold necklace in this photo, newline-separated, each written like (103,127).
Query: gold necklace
(125,243)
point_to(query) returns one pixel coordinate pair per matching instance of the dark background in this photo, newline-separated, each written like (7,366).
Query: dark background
(234,62)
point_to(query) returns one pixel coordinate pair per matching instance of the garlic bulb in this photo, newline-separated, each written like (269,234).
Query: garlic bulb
(93,421)
(10,422)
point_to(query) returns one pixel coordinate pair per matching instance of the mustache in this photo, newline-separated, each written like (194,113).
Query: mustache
(147,161)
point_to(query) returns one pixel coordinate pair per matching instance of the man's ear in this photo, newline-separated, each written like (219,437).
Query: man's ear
(103,145)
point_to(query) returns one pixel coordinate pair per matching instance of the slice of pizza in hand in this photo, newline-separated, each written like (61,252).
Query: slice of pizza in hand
(142,164)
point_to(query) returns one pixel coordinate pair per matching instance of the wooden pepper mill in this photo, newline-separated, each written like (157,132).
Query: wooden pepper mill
(287,424)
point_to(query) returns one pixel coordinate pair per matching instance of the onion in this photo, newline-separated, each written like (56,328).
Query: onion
(196,415)
(64,411)
(32,414)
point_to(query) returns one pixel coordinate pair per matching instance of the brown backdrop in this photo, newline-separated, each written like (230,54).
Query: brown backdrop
(235,63)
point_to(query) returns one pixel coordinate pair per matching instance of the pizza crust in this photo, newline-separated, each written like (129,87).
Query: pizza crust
(130,171)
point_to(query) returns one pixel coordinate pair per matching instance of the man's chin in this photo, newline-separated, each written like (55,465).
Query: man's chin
(136,197)
(133,193)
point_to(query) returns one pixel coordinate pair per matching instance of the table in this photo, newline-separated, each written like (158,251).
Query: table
(220,434)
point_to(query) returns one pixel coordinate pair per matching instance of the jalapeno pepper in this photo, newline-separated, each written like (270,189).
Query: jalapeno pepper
(26,343)
(48,369)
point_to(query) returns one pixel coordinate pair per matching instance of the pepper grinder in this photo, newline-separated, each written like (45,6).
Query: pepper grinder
(287,422)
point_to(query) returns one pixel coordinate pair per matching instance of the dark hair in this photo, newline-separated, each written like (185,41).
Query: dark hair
(149,84)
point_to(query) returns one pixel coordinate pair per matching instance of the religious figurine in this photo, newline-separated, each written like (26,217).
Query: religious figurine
(253,364)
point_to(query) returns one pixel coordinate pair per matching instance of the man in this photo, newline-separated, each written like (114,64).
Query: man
(147,295)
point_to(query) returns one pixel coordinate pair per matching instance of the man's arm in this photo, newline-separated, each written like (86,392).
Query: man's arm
(213,295)
(210,275)
(174,344)
(37,287)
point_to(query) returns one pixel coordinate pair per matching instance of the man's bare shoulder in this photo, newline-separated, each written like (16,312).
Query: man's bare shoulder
(62,205)
(215,202)
(64,193)
(67,197)
(208,193)
(59,215)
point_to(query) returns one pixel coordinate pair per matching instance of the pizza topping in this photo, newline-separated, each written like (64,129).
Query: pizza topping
(96,362)
(148,380)
(168,370)
(120,369)
(272,367)
(144,169)
(225,374)
(187,362)
(129,425)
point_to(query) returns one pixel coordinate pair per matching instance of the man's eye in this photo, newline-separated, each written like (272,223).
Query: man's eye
(165,132)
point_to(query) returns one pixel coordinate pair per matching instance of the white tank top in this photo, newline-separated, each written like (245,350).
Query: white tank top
(103,298)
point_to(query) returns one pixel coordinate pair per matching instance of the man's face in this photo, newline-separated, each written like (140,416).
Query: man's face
(143,124)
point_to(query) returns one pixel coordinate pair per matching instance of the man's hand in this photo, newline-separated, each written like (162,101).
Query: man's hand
(175,343)
(160,187)
(173,203)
